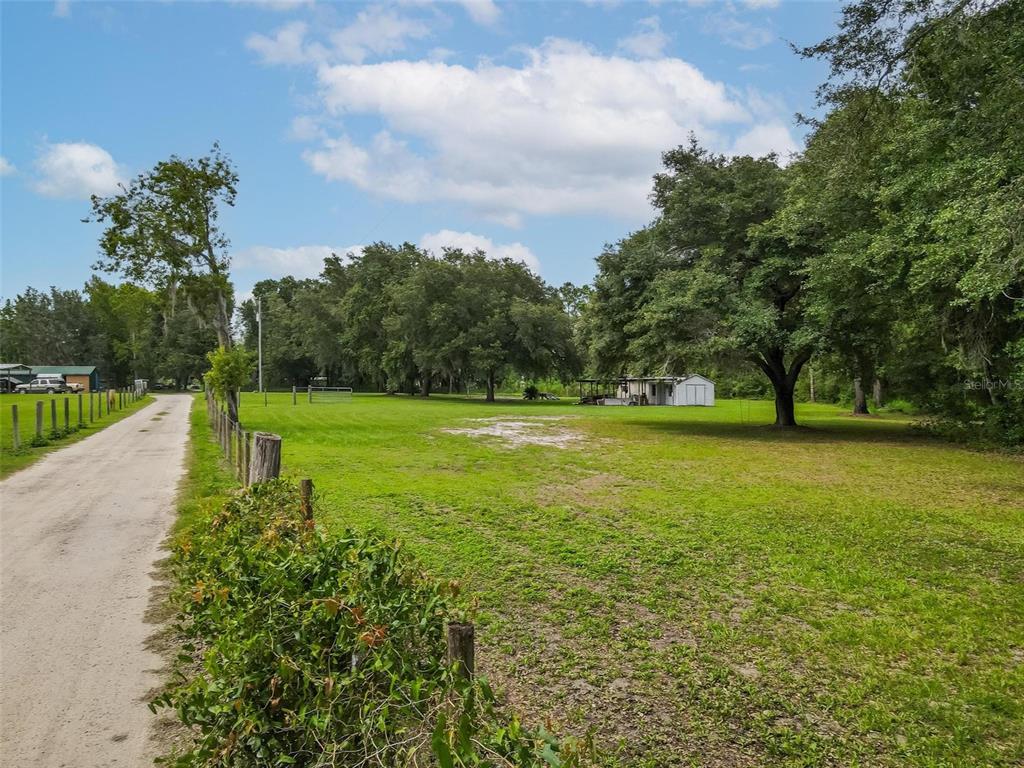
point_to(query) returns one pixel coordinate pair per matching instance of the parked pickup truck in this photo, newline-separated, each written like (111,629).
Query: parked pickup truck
(47,384)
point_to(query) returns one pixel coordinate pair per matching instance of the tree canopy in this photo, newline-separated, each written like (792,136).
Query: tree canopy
(399,319)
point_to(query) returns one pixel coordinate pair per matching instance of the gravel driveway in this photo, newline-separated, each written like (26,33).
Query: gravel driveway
(79,533)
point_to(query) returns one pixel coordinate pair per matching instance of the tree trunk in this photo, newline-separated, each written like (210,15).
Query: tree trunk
(490,386)
(772,363)
(451,384)
(425,384)
(810,371)
(785,409)
(860,402)
(222,326)
(876,393)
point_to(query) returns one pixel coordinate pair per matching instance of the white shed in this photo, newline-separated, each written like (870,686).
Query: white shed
(694,389)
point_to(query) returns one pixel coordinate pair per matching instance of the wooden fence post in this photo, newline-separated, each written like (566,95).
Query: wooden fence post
(53,414)
(248,458)
(460,648)
(309,392)
(15,433)
(266,457)
(306,494)
(294,393)
(39,418)
(67,414)
(81,419)
(229,451)
(90,407)
(240,440)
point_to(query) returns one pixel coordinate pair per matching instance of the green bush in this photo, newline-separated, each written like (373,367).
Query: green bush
(901,406)
(531,392)
(316,651)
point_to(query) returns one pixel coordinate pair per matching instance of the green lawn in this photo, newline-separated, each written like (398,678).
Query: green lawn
(699,588)
(11,460)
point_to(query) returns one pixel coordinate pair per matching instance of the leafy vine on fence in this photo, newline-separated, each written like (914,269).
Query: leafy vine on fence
(313,650)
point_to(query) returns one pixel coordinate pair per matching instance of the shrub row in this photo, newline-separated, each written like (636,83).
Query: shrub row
(312,650)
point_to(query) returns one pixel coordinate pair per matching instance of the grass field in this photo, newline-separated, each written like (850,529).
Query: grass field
(699,588)
(11,460)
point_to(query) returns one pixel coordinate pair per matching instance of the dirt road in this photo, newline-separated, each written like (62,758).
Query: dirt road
(79,533)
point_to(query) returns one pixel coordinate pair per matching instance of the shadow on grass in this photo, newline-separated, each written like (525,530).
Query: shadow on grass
(814,430)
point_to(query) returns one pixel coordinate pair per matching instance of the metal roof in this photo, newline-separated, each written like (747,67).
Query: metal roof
(610,379)
(67,370)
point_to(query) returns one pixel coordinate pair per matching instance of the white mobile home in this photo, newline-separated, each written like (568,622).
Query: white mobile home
(691,389)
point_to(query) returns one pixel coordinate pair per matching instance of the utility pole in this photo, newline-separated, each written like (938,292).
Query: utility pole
(259,338)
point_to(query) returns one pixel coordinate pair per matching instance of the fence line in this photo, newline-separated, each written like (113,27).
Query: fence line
(117,399)
(255,457)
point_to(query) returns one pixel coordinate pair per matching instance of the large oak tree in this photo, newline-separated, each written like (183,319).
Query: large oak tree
(713,277)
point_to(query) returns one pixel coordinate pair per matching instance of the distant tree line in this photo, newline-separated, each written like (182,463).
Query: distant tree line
(126,330)
(400,319)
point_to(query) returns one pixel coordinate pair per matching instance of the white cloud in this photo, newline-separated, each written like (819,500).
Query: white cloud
(274,5)
(436,242)
(773,136)
(6,167)
(485,12)
(440,54)
(300,261)
(76,170)
(375,31)
(648,41)
(568,131)
(761,3)
(306,128)
(62,9)
(287,46)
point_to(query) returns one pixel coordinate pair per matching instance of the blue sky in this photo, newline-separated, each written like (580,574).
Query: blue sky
(529,129)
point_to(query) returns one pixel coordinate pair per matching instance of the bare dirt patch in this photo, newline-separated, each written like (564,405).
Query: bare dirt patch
(516,432)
